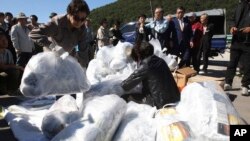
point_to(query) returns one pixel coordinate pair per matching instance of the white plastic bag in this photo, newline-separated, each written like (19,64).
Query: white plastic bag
(62,113)
(207,110)
(137,124)
(80,131)
(105,112)
(48,73)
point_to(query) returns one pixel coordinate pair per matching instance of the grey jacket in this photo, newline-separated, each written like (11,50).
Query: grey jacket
(61,34)
(20,38)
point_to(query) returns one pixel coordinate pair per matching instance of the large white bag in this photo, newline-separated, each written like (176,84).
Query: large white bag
(48,73)
(137,124)
(62,113)
(80,131)
(105,113)
(208,111)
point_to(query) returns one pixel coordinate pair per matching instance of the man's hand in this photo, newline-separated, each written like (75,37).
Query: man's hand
(18,51)
(245,30)
(233,30)
(20,68)
(191,44)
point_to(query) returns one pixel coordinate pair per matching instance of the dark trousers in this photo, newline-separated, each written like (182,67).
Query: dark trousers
(10,82)
(204,51)
(195,59)
(23,58)
(239,51)
(184,50)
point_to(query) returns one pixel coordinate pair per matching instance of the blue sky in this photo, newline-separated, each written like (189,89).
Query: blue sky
(43,8)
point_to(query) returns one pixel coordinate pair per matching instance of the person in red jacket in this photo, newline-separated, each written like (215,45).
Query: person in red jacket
(197,34)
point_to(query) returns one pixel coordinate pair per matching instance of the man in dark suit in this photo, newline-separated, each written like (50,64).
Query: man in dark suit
(240,48)
(182,37)
(205,46)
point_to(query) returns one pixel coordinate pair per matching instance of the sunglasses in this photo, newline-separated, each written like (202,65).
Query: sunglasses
(78,19)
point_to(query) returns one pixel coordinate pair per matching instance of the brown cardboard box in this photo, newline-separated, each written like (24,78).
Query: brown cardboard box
(201,78)
(181,76)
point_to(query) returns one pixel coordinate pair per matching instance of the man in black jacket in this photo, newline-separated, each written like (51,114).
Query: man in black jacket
(158,84)
(240,48)
(205,45)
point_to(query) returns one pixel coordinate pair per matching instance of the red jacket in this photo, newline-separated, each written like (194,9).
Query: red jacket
(197,33)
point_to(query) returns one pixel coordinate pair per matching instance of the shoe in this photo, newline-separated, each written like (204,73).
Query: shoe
(203,72)
(244,91)
(227,87)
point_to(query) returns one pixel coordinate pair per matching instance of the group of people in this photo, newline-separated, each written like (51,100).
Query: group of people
(187,38)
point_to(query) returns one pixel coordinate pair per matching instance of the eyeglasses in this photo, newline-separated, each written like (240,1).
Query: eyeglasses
(78,19)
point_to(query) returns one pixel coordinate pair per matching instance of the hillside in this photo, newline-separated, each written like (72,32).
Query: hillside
(128,10)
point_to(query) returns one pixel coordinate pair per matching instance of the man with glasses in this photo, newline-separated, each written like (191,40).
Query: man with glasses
(65,30)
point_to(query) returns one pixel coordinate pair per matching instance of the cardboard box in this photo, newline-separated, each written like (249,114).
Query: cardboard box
(182,75)
(201,78)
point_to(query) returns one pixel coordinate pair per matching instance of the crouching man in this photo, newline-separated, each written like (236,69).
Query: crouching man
(158,84)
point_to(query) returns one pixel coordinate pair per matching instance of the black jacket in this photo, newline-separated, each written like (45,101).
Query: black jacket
(207,37)
(142,36)
(241,19)
(157,81)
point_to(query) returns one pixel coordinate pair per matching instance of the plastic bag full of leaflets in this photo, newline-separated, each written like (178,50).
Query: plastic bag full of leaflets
(171,126)
(137,124)
(100,117)
(208,111)
(111,61)
(61,114)
(105,112)
(51,73)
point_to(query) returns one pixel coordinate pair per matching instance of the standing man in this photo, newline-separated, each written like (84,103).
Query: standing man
(103,34)
(21,40)
(52,14)
(240,48)
(115,33)
(34,24)
(183,37)
(159,27)
(141,31)
(197,29)
(66,31)
(205,47)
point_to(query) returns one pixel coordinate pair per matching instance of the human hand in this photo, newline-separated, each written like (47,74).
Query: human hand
(20,68)
(233,30)
(191,44)
(18,51)
(245,30)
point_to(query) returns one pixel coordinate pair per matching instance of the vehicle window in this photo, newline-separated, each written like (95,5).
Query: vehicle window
(128,28)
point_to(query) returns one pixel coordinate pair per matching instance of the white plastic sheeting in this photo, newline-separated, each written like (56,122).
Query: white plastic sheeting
(48,73)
